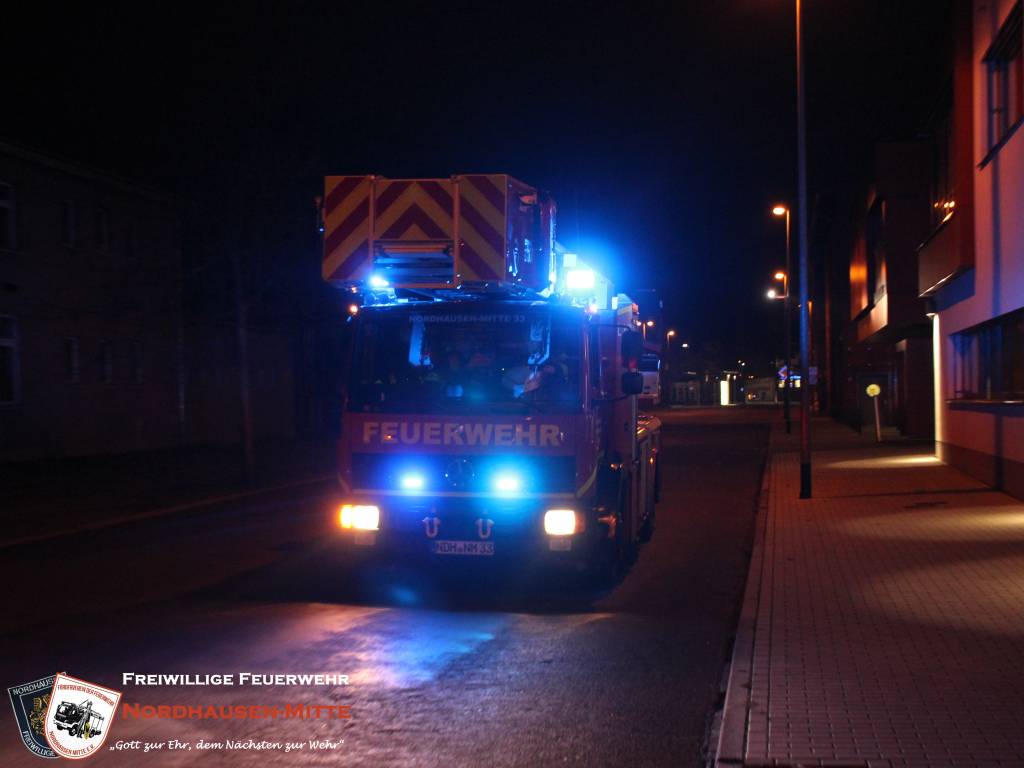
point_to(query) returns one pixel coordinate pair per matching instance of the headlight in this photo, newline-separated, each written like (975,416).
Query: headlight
(560,522)
(362,517)
(507,482)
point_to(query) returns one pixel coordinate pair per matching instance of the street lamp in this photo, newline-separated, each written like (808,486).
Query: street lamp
(668,336)
(805,320)
(780,211)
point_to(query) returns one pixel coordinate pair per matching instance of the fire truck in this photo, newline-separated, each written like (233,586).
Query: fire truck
(491,409)
(79,719)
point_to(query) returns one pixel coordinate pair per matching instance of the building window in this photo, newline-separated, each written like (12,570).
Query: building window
(943,191)
(7,240)
(989,360)
(105,363)
(72,370)
(102,230)
(136,362)
(69,224)
(1005,80)
(874,241)
(8,360)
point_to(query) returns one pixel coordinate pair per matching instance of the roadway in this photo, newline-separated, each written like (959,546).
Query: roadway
(482,672)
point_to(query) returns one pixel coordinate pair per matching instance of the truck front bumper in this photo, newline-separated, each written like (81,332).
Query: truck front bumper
(477,529)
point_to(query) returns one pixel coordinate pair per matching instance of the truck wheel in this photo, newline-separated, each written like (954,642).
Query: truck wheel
(647,529)
(618,553)
(657,479)
(625,541)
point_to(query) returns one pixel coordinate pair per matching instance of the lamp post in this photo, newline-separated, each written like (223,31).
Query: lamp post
(805,329)
(668,335)
(782,210)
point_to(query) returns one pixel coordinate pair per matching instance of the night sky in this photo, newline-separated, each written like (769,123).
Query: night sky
(664,130)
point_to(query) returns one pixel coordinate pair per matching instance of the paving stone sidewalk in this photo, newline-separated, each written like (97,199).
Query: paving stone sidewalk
(884,618)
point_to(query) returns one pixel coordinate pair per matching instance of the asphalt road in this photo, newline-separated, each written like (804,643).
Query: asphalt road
(482,672)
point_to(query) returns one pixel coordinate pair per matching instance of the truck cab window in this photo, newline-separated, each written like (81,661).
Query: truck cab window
(416,360)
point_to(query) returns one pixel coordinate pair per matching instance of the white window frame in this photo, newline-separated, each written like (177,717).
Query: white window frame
(1004,62)
(13,344)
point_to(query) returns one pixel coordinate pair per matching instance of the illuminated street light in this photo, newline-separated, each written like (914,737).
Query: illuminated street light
(650,323)
(781,210)
(805,317)
(686,345)
(771,294)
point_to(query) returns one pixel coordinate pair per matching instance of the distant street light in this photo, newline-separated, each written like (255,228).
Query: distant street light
(668,336)
(686,345)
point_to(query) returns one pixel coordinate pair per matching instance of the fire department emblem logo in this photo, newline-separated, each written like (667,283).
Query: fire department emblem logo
(30,702)
(79,716)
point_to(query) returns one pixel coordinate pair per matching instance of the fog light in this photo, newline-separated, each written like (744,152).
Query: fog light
(361,517)
(560,522)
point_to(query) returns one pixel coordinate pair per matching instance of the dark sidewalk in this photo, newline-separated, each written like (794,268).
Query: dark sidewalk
(43,498)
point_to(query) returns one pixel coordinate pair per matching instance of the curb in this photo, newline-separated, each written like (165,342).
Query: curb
(732,736)
(160,512)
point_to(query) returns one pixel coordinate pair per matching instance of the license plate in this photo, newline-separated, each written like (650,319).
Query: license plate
(463,548)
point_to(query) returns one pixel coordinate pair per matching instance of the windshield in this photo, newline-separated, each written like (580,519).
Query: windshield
(457,359)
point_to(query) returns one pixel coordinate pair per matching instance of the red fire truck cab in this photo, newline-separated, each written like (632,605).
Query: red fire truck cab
(490,409)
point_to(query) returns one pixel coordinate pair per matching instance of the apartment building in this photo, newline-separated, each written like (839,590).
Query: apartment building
(972,265)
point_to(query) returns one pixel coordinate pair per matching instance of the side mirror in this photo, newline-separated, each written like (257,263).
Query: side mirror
(632,382)
(632,346)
